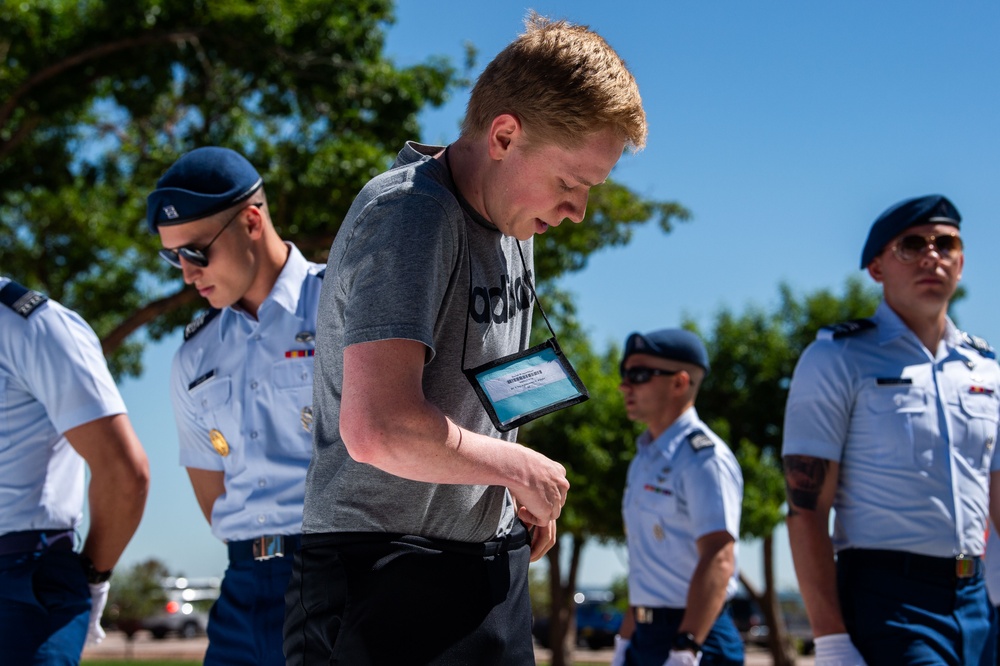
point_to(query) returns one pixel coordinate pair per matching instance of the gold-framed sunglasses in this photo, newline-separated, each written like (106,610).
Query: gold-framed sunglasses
(910,247)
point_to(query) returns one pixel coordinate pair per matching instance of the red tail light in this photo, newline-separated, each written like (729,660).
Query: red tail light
(173,607)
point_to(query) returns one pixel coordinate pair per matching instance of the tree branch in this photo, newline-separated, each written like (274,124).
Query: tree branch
(95,53)
(144,315)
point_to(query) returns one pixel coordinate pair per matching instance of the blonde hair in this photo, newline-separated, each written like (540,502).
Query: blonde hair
(563,82)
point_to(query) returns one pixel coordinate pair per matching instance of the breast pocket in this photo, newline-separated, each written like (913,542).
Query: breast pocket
(900,425)
(215,410)
(975,435)
(655,508)
(293,383)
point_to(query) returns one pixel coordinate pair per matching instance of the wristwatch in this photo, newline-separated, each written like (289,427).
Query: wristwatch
(94,577)
(686,641)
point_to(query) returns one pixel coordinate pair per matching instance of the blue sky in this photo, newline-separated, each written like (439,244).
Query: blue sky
(785,127)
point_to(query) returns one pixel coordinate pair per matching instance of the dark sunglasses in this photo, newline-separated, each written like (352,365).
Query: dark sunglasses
(640,375)
(195,257)
(909,248)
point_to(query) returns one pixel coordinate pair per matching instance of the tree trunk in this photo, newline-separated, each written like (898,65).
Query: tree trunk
(562,622)
(778,640)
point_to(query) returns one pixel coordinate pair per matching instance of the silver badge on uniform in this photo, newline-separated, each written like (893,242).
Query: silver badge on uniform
(305,336)
(306,416)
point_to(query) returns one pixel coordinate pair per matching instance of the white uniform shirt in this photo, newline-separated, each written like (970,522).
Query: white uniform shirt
(680,487)
(53,377)
(245,386)
(914,434)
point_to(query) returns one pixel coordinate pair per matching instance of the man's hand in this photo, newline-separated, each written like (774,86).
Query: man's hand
(621,646)
(543,494)
(682,658)
(837,650)
(98,599)
(543,537)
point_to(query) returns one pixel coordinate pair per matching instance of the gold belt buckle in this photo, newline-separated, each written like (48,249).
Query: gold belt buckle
(266,547)
(965,566)
(643,615)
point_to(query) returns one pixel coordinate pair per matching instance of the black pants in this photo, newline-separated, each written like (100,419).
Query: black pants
(377,599)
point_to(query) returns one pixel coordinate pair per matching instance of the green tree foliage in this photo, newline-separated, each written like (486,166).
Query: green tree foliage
(97,98)
(753,356)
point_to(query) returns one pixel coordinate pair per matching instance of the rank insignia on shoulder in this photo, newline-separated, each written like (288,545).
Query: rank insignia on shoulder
(20,299)
(979,344)
(844,329)
(699,440)
(199,323)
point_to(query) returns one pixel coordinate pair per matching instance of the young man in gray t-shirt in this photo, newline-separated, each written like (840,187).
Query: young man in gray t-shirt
(417,511)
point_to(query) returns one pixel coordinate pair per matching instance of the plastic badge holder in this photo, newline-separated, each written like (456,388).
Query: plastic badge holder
(521,387)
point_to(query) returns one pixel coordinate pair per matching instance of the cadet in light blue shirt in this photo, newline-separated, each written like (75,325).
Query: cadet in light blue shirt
(241,386)
(682,513)
(892,421)
(60,412)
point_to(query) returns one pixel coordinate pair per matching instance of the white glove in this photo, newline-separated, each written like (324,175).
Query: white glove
(837,650)
(682,658)
(621,645)
(98,599)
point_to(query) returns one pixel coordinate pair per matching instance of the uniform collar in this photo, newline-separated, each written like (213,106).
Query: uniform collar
(285,292)
(668,441)
(889,327)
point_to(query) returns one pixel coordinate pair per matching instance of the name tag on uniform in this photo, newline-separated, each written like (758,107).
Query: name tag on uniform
(893,381)
(201,380)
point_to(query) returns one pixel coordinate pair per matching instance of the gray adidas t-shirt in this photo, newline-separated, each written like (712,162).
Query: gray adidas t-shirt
(400,268)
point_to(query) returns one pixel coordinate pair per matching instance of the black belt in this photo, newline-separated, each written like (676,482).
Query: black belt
(948,569)
(651,614)
(518,538)
(36,541)
(264,547)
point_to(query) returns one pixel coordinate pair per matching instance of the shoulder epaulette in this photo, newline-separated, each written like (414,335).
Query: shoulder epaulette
(199,323)
(977,343)
(844,329)
(699,440)
(20,299)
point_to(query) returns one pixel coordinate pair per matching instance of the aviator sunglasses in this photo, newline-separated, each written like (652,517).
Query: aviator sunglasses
(195,257)
(640,375)
(909,248)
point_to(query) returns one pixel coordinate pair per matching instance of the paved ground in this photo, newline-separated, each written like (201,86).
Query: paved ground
(144,647)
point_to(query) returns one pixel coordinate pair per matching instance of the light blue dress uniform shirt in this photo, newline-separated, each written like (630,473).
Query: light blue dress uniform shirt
(53,377)
(675,494)
(914,433)
(251,381)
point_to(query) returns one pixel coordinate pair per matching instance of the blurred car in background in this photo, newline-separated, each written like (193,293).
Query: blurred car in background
(597,620)
(185,612)
(752,624)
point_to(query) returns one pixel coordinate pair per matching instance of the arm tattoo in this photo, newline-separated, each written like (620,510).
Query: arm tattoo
(804,477)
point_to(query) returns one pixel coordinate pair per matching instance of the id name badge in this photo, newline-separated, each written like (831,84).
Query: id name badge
(521,387)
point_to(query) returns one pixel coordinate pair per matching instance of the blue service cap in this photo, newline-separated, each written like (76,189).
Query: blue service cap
(674,344)
(201,183)
(931,209)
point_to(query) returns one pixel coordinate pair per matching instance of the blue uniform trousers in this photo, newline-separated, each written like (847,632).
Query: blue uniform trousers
(245,624)
(44,608)
(912,610)
(650,643)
